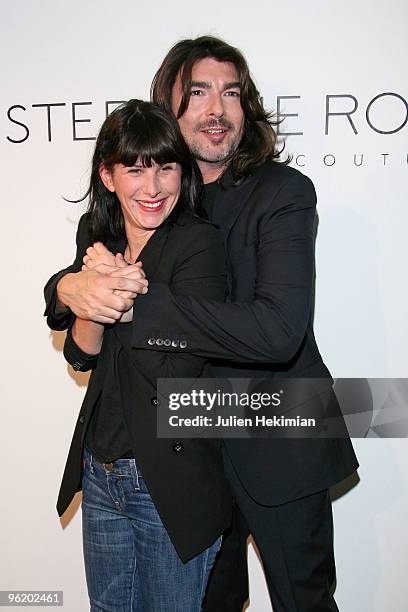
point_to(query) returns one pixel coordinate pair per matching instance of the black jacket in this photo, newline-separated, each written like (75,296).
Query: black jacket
(266,329)
(184,477)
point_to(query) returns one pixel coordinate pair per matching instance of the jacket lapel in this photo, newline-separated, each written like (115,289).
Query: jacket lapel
(233,198)
(151,253)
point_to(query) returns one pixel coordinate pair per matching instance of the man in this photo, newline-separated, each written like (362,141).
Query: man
(266,213)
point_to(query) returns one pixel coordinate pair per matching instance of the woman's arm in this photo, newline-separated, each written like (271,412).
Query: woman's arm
(88,336)
(82,360)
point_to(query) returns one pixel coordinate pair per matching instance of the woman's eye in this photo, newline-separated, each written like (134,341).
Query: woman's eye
(167,167)
(135,170)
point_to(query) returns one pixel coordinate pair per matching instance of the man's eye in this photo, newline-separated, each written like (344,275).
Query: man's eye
(196,92)
(233,94)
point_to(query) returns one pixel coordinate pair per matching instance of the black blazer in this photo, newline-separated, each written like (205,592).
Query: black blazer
(265,330)
(185,477)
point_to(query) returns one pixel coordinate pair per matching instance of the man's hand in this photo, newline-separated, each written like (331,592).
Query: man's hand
(103,293)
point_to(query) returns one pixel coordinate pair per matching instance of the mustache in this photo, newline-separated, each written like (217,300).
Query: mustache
(214,124)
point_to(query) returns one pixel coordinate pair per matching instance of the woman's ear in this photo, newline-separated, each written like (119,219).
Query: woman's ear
(106,177)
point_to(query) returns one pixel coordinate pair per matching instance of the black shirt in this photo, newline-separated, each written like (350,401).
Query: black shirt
(107,437)
(208,196)
(218,214)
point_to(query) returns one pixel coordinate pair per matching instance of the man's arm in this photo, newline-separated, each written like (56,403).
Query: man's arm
(199,272)
(89,294)
(58,315)
(269,328)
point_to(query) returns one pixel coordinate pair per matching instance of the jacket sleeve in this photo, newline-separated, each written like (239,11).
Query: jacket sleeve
(58,316)
(269,328)
(80,361)
(199,273)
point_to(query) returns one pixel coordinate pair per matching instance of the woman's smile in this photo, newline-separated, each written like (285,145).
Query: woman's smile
(147,194)
(152,205)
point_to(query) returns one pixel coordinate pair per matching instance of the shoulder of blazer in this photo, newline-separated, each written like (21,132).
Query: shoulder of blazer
(276,174)
(275,183)
(271,176)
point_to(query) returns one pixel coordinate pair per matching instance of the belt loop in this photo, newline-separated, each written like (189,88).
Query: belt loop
(136,474)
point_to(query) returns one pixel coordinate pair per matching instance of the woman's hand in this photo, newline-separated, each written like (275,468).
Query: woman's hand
(127,317)
(100,259)
(132,272)
(98,254)
(135,272)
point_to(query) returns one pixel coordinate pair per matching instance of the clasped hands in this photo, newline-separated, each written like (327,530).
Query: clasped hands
(105,288)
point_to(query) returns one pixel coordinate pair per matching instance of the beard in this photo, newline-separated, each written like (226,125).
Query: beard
(214,152)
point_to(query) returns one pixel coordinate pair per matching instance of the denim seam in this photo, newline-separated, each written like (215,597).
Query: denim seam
(132,589)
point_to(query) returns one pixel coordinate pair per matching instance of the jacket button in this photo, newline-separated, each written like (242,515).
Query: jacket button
(178,447)
(174,343)
(159,341)
(154,401)
(183,344)
(82,419)
(151,341)
(167,342)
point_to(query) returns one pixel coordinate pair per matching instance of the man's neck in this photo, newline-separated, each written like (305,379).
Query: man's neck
(211,171)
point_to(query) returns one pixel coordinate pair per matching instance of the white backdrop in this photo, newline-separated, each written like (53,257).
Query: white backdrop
(67,53)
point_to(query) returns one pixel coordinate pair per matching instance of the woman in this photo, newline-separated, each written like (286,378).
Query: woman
(153,509)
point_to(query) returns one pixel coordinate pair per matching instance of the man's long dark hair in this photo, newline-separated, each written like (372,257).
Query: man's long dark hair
(259,140)
(144,132)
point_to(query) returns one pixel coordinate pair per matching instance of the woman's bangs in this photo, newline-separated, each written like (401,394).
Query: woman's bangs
(148,144)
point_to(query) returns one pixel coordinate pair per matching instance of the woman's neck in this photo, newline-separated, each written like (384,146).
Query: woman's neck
(136,239)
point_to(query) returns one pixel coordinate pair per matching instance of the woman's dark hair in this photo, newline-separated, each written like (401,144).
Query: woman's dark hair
(144,132)
(259,141)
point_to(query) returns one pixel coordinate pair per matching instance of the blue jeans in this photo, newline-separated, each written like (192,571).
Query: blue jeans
(130,563)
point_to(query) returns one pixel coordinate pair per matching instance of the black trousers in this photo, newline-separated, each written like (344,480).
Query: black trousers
(295,541)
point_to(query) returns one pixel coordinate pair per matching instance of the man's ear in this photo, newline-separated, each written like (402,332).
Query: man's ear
(106,177)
